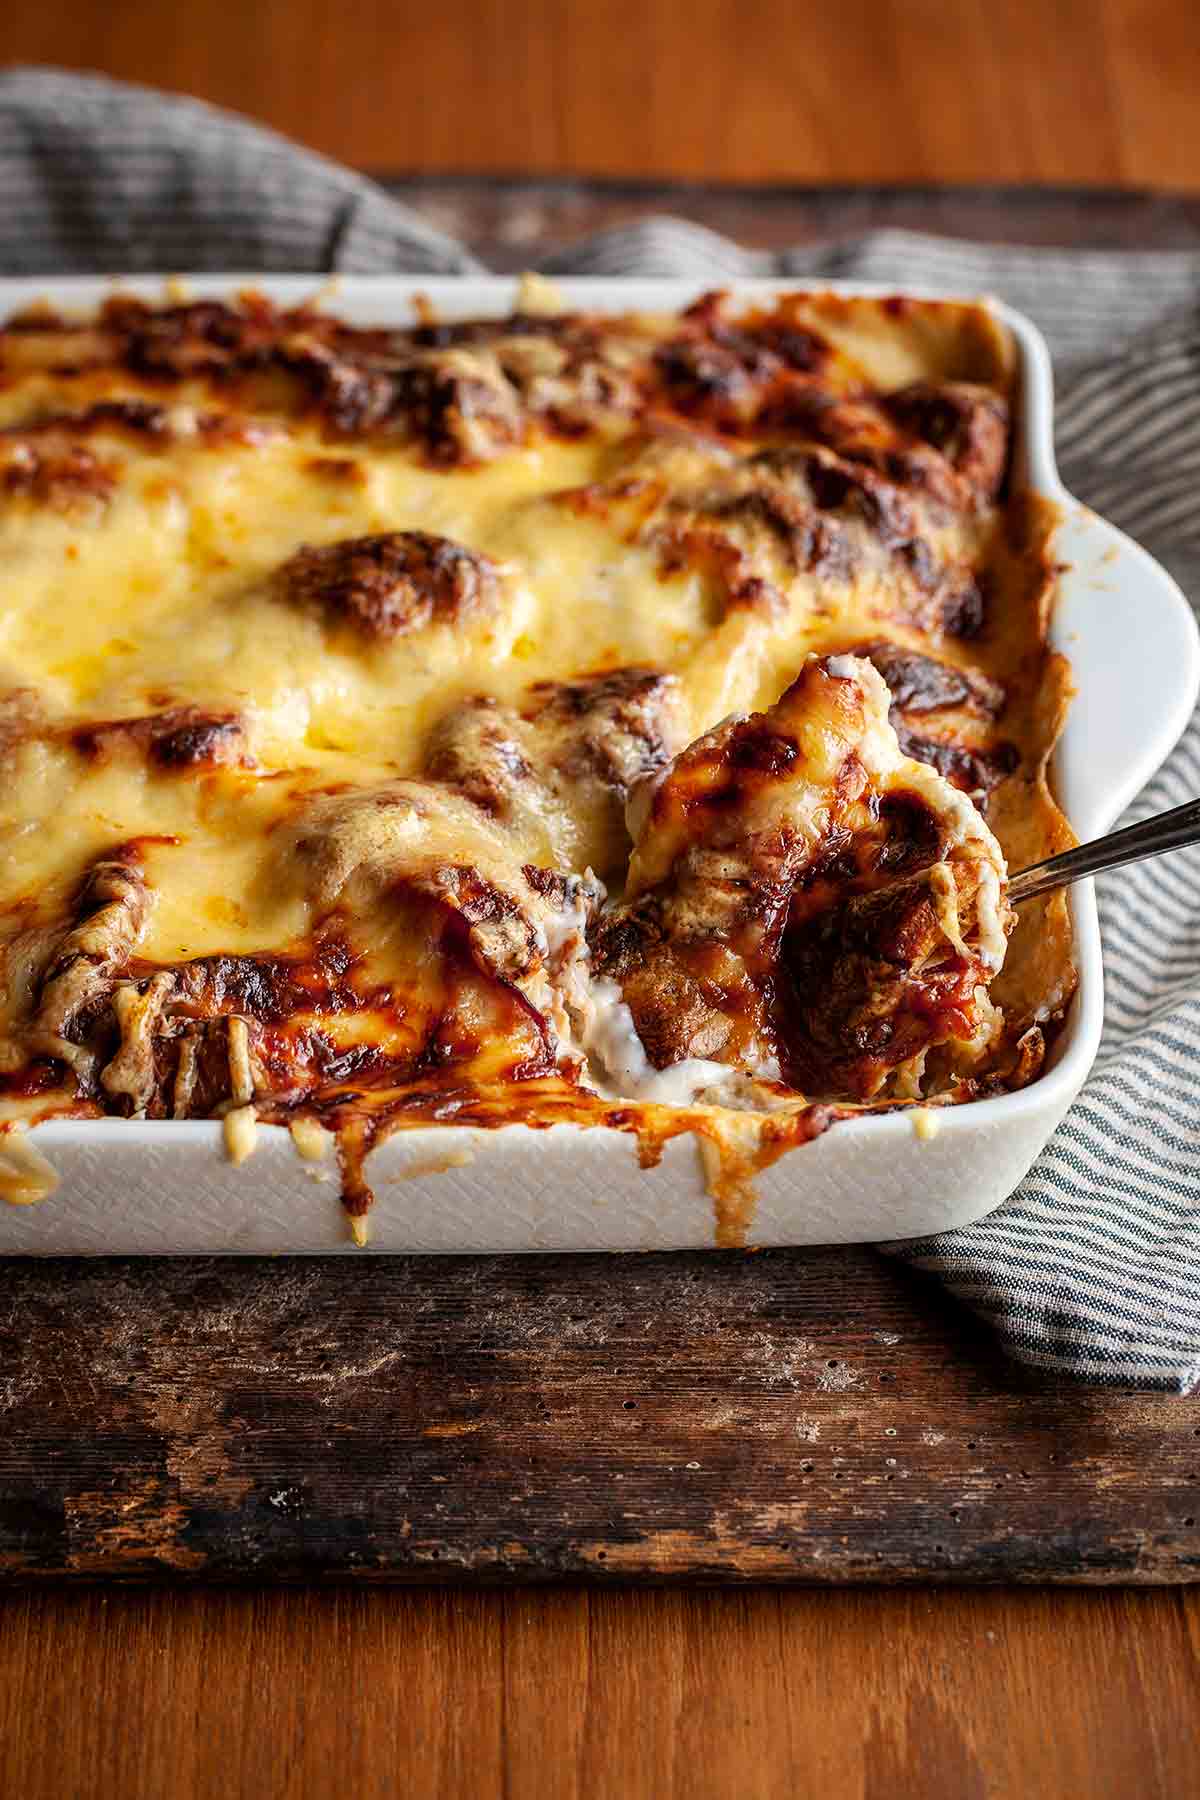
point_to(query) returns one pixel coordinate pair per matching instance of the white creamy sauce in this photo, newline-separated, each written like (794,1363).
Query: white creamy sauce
(618,1067)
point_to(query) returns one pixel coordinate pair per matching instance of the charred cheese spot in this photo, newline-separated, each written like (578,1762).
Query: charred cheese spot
(963,608)
(139,421)
(179,739)
(202,337)
(613,725)
(975,771)
(833,484)
(863,434)
(392,584)
(967,423)
(566,371)
(64,476)
(478,748)
(921,685)
(792,526)
(558,771)
(730,373)
(461,405)
(596,738)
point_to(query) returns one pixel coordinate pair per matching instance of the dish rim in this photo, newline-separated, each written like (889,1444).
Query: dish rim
(1075,1049)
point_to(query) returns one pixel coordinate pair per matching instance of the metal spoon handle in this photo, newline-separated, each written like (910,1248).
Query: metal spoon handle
(1165,831)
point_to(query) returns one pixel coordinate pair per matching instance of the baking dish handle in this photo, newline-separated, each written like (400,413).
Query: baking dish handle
(1132,641)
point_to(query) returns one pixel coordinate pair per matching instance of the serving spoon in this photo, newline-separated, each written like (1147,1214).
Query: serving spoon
(1172,830)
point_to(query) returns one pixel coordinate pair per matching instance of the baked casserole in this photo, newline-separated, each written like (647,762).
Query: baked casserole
(625,720)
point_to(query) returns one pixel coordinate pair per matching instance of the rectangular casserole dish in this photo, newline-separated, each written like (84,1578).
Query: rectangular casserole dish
(166,1187)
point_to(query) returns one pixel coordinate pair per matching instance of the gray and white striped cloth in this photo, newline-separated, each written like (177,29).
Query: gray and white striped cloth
(1093,1266)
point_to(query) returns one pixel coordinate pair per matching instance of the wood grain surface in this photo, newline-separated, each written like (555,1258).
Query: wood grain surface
(601,1696)
(758,90)
(818,1416)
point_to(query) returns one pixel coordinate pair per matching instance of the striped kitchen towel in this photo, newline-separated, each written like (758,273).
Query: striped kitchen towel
(1093,1266)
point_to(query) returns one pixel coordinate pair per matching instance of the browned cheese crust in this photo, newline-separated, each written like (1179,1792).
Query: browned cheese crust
(346,669)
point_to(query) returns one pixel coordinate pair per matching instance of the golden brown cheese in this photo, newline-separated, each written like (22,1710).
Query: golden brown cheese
(806,901)
(336,661)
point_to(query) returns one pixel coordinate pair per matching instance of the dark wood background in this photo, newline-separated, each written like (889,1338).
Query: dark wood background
(458,1422)
(818,1416)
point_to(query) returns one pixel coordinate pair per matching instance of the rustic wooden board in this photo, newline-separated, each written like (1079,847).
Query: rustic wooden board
(787,1416)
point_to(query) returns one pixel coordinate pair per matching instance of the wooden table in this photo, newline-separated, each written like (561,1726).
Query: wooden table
(613,1692)
(755,90)
(933,1695)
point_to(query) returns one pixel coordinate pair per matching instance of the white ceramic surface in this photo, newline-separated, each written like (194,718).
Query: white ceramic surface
(166,1188)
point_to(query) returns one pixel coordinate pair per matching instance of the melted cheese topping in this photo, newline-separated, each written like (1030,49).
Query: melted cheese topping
(162,571)
(167,593)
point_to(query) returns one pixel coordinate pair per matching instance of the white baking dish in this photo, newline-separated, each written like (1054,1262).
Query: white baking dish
(166,1188)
